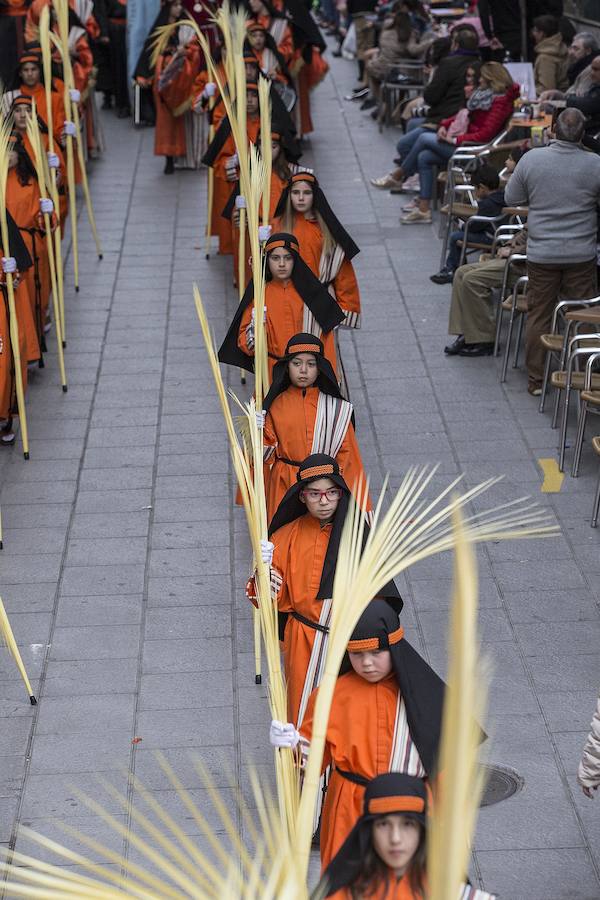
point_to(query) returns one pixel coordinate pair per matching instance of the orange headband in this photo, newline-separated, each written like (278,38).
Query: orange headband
(273,245)
(303,176)
(304,348)
(29,58)
(22,101)
(373,643)
(400,804)
(250,86)
(315,471)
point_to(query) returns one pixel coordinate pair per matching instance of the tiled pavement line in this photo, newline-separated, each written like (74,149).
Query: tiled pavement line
(40,682)
(486,554)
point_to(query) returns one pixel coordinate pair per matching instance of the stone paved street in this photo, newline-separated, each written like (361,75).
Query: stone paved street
(124,560)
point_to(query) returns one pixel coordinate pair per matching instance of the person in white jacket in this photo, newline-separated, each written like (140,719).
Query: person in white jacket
(588,773)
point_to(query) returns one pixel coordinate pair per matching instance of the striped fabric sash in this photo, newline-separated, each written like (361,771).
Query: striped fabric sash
(310,324)
(468,892)
(329,267)
(404,756)
(316,662)
(277,29)
(331,424)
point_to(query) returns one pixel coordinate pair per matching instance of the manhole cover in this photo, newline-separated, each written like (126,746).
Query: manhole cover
(501,783)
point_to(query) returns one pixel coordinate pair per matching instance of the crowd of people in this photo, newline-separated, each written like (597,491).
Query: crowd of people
(384,728)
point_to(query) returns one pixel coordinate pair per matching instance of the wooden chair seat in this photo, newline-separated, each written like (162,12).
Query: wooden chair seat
(592,397)
(584,315)
(596,445)
(552,342)
(473,245)
(521,303)
(559,380)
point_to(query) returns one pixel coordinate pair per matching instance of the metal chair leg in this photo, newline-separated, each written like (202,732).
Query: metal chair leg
(596,506)
(518,343)
(562,446)
(499,312)
(507,348)
(579,439)
(547,364)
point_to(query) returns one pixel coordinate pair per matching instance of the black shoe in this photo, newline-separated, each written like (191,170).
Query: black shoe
(476,350)
(369,103)
(107,102)
(375,113)
(169,165)
(337,53)
(123,113)
(444,276)
(456,346)
(397,161)
(357,94)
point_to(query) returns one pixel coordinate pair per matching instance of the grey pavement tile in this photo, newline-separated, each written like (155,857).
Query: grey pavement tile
(95,642)
(36,516)
(43,449)
(118,457)
(171,803)
(134,501)
(546,575)
(193,463)
(54,796)
(220,762)
(532,874)
(116,610)
(91,715)
(27,540)
(179,535)
(184,655)
(192,509)
(45,470)
(101,525)
(107,579)
(170,487)
(90,826)
(189,691)
(208,561)
(106,551)
(77,677)
(570,746)
(12,770)
(200,622)
(38,492)
(182,591)
(528,607)
(570,672)
(8,809)
(30,568)
(32,598)
(137,435)
(543,638)
(196,728)
(567,710)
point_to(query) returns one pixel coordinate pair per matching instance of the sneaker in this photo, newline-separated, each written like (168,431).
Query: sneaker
(416,217)
(456,346)
(444,276)
(357,94)
(369,103)
(413,183)
(386,182)
(476,349)
(412,204)
(534,389)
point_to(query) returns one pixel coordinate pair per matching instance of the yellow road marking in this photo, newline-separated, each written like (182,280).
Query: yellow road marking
(553,477)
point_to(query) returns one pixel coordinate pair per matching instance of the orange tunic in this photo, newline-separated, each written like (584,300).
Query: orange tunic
(395,890)
(58,108)
(223,187)
(310,238)
(277,187)
(169,136)
(359,739)
(23,203)
(300,549)
(8,396)
(285,312)
(290,428)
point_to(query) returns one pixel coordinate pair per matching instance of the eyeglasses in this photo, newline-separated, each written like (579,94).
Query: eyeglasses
(317,496)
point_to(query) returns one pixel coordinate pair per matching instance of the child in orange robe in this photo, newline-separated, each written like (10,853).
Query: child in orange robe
(384,856)
(302,550)
(305,414)
(325,244)
(294,301)
(17,260)
(386,715)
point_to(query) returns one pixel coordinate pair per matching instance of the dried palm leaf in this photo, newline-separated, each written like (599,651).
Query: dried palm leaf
(8,639)
(459,791)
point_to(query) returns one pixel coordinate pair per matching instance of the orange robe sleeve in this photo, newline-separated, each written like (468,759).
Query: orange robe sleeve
(82,64)
(346,289)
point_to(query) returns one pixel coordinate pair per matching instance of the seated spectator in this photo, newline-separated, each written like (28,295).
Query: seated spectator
(488,108)
(589,103)
(490,202)
(581,53)
(551,56)
(397,41)
(444,95)
(510,162)
(472,312)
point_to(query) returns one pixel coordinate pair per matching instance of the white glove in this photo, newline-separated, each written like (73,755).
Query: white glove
(240,202)
(266,550)
(264,233)
(53,160)
(9,265)
(74,95)
(69,129)
(260,418)
(210,89)
(283,734)
(46,205)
